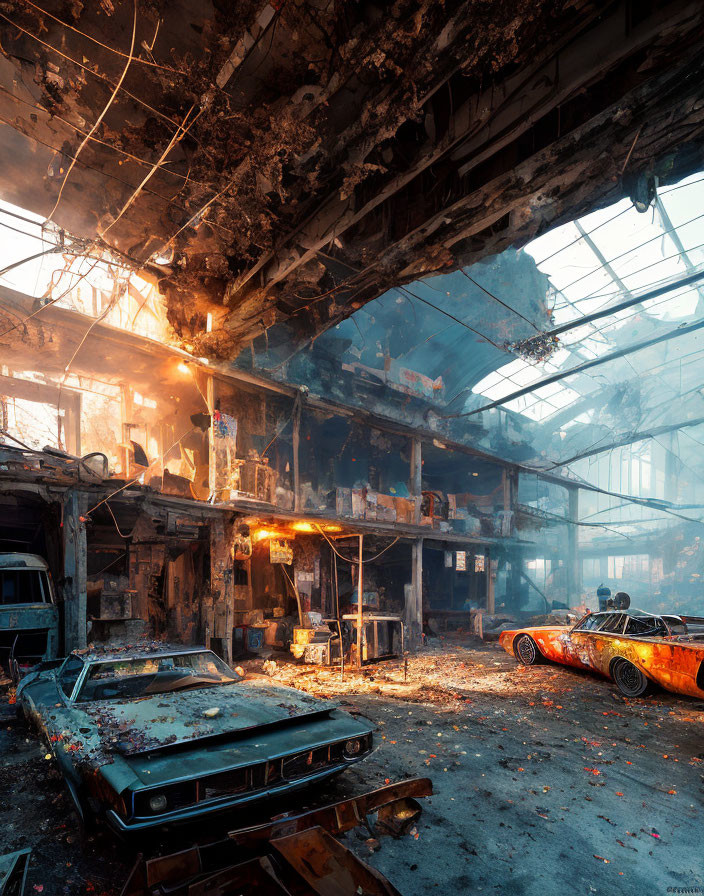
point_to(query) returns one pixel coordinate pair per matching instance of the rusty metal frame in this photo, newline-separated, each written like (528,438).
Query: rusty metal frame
(284,837)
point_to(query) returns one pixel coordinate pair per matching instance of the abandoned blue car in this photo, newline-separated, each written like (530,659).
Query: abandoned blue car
(167,735)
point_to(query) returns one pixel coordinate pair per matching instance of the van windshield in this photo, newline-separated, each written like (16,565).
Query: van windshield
(23,586)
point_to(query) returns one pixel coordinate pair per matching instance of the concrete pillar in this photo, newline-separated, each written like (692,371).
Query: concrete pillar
(75,571)
(413,620)
(574,564)
(415,482)
(297,455)
(221,616)
(490,567)
(72,423)
(510,490)
(212,472)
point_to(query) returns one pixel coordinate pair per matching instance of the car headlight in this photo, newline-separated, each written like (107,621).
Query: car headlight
(353,747)
(157,803)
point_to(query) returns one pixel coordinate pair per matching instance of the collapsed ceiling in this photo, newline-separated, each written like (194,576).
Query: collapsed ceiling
(286,163)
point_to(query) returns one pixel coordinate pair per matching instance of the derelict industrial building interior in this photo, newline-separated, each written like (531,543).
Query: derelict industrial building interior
(351,352)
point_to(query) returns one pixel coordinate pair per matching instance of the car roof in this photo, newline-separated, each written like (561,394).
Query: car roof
(111,653)
(631,611)
(22,561)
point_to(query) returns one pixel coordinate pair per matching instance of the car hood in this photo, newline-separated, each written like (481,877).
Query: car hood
(137,726)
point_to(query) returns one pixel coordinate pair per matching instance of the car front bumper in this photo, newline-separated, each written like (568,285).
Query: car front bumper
(203,810)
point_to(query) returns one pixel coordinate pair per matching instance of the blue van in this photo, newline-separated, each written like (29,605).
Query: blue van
(29,619)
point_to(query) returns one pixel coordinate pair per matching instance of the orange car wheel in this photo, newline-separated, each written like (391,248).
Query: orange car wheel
(629,679)
(527,651)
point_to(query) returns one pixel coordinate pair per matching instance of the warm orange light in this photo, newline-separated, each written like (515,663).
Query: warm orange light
(332,528)
(183,368)
(263,534)
(303,527)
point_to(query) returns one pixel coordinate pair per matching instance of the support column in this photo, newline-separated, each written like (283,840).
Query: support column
(126,419)
(75,571)
(416,485)
(212,471)
(360,600)
(509,495)
(574,566)
(221,616)
(297,454)
(490,566)
(672,466)
(72,423)
(414,598)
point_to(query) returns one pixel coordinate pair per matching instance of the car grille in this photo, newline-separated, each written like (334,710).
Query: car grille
(251,779)
(308,763)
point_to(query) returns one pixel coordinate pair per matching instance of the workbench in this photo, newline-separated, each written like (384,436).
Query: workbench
(374,619)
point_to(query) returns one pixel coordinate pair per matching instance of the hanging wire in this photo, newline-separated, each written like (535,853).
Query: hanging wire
(356,562)
(610,261)
(10,267)
(52,302)
(87,69)
(500,301)
(94,139)
(146,469)
(100,117)
(119,531)
(108,308)
(149,62)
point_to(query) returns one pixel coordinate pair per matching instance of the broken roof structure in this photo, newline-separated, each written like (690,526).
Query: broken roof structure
(285,164)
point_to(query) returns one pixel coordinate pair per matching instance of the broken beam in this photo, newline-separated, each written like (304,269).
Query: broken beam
(630,439)
(580,368)
(694,277)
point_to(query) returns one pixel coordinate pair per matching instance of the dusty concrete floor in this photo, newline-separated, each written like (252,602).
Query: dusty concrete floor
(546,781)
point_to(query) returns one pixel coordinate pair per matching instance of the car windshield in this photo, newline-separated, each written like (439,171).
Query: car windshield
(589,622)
(159,674)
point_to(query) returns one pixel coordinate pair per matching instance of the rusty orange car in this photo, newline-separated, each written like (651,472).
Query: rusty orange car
(634,649)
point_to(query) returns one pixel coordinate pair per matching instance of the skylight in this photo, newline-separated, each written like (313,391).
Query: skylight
(599,260)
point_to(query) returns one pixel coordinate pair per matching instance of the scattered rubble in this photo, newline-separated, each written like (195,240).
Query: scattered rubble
(507,748)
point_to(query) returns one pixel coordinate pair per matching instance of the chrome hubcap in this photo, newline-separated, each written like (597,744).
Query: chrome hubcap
(526,650)
(629,678)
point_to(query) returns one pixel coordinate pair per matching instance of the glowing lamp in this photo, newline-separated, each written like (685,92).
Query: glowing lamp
(263,534)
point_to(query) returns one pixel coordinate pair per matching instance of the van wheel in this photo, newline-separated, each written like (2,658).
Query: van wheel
(527,651)
(629,679)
